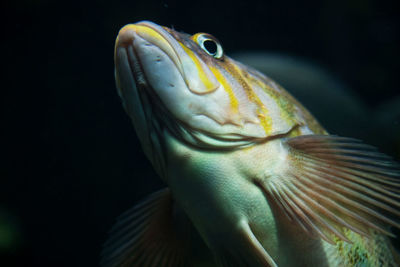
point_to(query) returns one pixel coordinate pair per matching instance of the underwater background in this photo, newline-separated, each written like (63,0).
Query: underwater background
(71,160)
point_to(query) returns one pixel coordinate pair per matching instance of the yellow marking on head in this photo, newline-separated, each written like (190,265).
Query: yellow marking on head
(142,30)
(194,37)
(147,31)
(262,111)
(227,87)
(286,107)
(202,75)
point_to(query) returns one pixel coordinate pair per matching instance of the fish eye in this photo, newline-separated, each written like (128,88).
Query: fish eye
(210,45)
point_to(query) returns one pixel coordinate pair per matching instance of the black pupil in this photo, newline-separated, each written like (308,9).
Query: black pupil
(210,46)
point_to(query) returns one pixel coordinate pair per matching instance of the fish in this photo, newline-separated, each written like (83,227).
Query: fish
(253,179)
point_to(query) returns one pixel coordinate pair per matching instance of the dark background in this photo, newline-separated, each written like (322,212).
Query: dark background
(71,160)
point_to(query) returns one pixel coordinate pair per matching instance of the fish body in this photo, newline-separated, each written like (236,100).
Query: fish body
(253,178)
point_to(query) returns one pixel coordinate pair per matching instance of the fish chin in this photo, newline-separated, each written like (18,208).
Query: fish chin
(128,91)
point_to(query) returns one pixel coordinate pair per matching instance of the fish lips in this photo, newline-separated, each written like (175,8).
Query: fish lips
(151,68)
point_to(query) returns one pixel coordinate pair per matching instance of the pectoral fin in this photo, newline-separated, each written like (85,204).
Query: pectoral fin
(145,236)
(329,183)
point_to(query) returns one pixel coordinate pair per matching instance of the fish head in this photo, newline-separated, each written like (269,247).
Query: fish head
(186,85)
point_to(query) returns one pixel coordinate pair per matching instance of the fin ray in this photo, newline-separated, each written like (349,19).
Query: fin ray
(144,236)
(331,183)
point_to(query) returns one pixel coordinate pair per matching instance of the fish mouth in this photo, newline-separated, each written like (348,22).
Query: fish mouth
(197,76)
(152,34)
(130,40)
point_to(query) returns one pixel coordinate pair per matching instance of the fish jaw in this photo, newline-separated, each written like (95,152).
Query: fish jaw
(195,72)
(127,88)
(170,72)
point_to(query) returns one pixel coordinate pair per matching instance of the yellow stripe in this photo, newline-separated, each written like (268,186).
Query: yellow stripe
(221,79)
(202,75)
(262,111)
(286,107)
